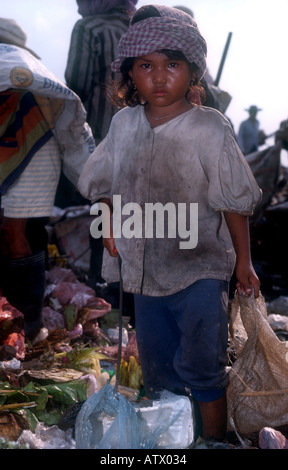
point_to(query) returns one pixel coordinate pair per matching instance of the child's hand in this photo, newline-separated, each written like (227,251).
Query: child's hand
(247,280)
(109,244)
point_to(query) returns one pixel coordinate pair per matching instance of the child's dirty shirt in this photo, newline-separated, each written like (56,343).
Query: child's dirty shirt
(192,159)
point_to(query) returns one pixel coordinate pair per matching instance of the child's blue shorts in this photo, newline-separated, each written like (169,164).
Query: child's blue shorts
(182,340)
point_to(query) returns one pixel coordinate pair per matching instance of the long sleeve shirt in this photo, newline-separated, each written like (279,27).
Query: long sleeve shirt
(192,159)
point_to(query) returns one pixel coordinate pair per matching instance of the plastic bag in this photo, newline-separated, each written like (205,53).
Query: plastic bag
(47,437)
(257,392)
(108,421)
(61,107)
(271,439)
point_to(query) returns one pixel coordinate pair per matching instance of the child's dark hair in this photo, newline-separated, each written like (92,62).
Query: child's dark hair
(124,93)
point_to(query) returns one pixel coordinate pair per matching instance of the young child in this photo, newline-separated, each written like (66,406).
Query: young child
(165,151)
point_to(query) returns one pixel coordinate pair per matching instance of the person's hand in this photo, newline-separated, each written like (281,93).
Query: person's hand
(109,244)
(247,280)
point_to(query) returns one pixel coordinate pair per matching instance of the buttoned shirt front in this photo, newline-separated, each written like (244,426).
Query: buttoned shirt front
(192,159)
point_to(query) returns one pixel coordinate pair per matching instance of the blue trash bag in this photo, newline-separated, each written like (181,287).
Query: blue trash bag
(108,421)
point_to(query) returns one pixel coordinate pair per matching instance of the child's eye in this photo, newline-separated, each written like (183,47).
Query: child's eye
(145,66)
(173,65)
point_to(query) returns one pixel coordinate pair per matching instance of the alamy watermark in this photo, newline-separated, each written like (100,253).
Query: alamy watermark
(152,220)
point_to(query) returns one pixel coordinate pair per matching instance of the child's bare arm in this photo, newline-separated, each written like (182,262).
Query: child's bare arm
(239,230)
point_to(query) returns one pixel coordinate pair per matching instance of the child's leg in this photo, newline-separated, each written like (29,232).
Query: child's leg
(201,315)
(202,356)
(214,418)
(182,341)
(158,339)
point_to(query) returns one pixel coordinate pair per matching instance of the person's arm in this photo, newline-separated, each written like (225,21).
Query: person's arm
(109,242)
(247,278)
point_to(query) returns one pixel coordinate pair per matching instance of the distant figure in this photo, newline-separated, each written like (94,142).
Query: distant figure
(249,136)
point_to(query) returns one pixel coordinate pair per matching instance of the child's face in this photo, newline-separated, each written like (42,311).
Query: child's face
(161,81)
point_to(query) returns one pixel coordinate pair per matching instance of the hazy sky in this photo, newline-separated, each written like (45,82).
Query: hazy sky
(256,64)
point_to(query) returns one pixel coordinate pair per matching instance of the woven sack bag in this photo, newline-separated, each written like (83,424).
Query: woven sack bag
(257,391)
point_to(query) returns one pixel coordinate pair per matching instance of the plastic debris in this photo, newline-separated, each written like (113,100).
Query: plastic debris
(271,439)
(47,437)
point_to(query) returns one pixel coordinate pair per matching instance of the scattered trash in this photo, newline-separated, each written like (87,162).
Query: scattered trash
(108,421)
(271,439)
(72,228)
(47,437)
(12,364)
(203,444)
(113,335)
(9,428)
(12,328)
(278,322)
(278,306)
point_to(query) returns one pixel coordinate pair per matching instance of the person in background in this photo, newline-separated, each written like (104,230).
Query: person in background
(93,47)
(249,135)
(39,129)
(170,150)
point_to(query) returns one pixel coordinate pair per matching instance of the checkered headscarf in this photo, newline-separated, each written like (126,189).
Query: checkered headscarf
(173,30)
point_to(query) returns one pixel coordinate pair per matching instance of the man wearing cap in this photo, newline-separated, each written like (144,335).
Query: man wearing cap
(249,136)
(41,128)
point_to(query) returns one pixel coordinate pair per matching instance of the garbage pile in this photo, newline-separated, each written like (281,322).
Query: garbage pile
(44,386)
(47,385)
(50,389)
(74,356)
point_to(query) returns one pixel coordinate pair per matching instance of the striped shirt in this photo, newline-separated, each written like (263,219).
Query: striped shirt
(93,48)
(33,194)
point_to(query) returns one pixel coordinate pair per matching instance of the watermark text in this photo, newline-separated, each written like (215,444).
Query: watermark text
(132,220)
